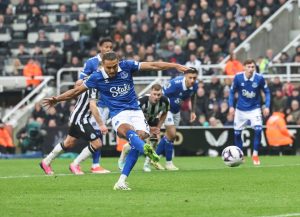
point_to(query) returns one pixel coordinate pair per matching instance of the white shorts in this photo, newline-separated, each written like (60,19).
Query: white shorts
(134,118)
(104,114)
(246,118)
(172,119)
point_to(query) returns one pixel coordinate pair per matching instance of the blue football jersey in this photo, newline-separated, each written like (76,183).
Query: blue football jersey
(90,66)
(249,92)
(118,93)
(177,92)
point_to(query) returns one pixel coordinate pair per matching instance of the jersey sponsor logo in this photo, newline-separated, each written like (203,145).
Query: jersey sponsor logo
(248,94)
(120,90)
(254,85)
(124,75)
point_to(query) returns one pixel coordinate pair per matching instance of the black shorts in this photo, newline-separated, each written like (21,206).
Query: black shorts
(85,131)
(153,123)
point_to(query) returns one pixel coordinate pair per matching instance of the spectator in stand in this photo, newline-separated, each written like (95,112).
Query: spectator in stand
(201,121)
(215,85)
(272,5)
(54,60)
(32,69)
(63,112)
(214,122)
(23,55)
(193,62)
(42,39)
(279,100)
(34,19)
(216,53)
(6,142)
(38,56)
(297,52)
(85,30)
(229,120)
(69,47)
(3,5)
(22,7)
(284,58)
(233,65)
(276,84)
(51,114)
(74,12)
(294,96)
(224,108)
(38,112)
(201,102)
(146,36)
(251,8)
(9,15)
(293,112)
(233,6)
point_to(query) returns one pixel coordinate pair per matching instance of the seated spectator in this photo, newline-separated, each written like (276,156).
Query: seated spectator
(51,114)
(42,40)
(74,15)
(294,113)
(54,60)
(23,55)
(22,7)
(69,46)
(229,120)
(6,142)
(279,100)
(38,112)
(32,69)
(233,65)
(85,30)
(213,122)
(34,19)
(193,62)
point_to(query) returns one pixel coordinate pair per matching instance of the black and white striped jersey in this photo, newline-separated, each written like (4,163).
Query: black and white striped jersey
(82,112)
(152,111)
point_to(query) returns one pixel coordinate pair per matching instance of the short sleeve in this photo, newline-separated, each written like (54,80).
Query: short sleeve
(87,70)
(91,82)
(133,66)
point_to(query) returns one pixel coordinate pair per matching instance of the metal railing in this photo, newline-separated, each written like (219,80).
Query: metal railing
(45,80)
(294,43)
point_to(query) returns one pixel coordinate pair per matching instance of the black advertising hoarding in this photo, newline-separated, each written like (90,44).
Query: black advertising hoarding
(191,141)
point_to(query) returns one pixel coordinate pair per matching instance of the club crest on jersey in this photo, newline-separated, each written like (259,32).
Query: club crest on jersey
(120,90)
(254,85)
(124,75)
(93,136)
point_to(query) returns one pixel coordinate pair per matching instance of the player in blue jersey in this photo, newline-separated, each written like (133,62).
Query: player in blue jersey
(177,90)
(115,83)
(248,85)
(91,65)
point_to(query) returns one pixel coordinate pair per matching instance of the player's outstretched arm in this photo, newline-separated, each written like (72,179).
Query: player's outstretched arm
(70,94)
(155,66)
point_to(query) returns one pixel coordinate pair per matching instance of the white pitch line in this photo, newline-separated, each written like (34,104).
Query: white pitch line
(118,172)
(283,215)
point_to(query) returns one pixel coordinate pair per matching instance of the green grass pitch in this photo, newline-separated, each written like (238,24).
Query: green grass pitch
(202,187)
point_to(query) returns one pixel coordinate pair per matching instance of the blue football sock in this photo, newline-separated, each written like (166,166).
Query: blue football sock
(130,161)
(135,141)
(257,137)
(97,154)
(238,139)
(161,146)
(169,147)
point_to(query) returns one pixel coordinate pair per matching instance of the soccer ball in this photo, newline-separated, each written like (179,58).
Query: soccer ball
(232,156)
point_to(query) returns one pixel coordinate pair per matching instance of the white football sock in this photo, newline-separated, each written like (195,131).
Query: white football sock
(255,153)
(122,178)
(96,165)
(84,154)
(57,150)
(124,152)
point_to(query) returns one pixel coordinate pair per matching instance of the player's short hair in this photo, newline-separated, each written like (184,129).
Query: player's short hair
(109,56)
(156,87)
(249,61)
(191,70)
(103,40)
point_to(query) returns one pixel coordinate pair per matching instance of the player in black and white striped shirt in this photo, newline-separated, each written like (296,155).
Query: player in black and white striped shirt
(155,107)
(80,127)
